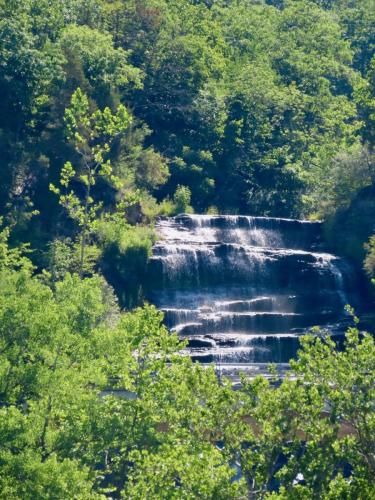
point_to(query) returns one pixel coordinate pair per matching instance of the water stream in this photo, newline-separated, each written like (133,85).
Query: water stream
(241,290)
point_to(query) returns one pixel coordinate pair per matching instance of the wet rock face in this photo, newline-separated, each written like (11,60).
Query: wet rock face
(242,289)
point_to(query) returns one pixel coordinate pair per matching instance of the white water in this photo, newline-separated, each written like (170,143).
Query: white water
(242,289)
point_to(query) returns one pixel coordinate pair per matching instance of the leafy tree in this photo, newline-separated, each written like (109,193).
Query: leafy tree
(179,472)
(141,167)
(253,106)
(12,258)
(94,402)
(317,427)
(181,199)
(365,98)
(350,172)
(27,76)
(63,374)
(63,256)
(358,21)
(92,136)
(40,380)
(105,67)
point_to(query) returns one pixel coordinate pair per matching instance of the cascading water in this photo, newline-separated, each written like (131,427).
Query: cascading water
(241,290)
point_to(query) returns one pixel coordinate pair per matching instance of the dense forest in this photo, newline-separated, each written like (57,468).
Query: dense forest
(116,112)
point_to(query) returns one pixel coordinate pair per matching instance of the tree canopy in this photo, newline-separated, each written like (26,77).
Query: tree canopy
(115,112)
(96,403)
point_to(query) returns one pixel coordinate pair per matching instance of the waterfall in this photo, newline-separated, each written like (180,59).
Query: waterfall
(241,290)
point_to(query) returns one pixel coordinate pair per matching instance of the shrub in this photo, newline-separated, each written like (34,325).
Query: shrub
(151,209)
(369,263)
(212,210)
(182,199)
(167,208)
(63,256)
(126,251)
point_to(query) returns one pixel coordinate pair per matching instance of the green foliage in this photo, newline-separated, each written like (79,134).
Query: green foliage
(365,99)
(255,107)
(49,479)
(351,172)
(104,66)
(181,199)
(328,406)
(350,228)
(64,256)
(29,73)
(92,136)
(167,208)
(212,210)
(95,403)
(141,167)
(12,258)
(247,106)
(156,475)
(126,251)
(370,257)
(66,359)
(46,367)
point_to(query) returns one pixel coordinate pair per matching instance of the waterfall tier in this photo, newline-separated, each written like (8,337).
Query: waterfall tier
(241,290)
